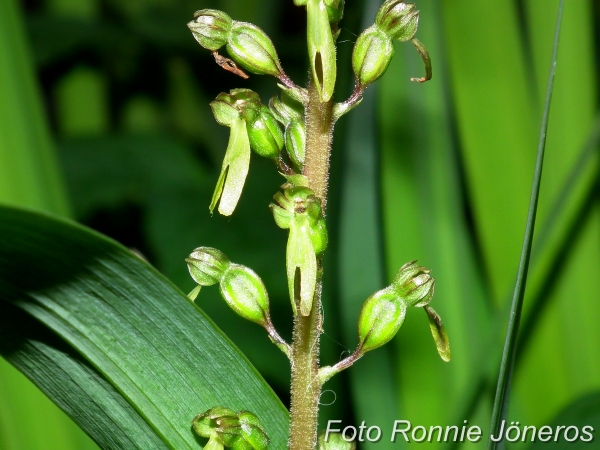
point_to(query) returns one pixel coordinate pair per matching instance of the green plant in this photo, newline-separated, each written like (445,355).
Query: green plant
(301,152)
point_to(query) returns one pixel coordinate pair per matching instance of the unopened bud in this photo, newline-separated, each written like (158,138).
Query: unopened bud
(380,319)
(245,293)
(398,20)
(207,265)
(335,441)
(251,48)
(291,116)
(414,284)
(295,143)
(211,28)
(371,55)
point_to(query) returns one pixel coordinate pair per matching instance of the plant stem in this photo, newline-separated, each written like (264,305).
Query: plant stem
(319,125)
(306,388)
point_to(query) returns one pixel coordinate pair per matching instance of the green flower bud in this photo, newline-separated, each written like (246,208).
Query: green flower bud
(318,235)
(234,169)
(414,284)
(371,55)
(252,49)
(295,143)
(380,319)
(291,116)
(207,265)
(210,28)
(321,48)
(266,138)
(245,293)
(335,441)
(398,20)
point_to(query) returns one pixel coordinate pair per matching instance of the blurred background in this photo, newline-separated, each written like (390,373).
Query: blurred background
(104,118)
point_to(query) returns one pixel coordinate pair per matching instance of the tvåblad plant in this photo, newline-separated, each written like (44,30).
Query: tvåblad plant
(295,131)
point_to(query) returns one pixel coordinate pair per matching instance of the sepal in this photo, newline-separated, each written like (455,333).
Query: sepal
(397,19)
(207,265)
(414,284)
(210,28)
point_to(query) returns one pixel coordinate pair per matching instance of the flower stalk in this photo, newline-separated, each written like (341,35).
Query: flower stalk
(295,131)
(306,386)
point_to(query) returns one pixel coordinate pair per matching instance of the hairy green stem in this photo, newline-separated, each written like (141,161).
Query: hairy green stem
(306,387)
(319,127)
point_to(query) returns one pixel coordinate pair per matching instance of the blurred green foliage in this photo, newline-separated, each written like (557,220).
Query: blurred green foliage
(438,172)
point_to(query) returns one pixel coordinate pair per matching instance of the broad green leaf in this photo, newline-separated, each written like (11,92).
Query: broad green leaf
(139,346)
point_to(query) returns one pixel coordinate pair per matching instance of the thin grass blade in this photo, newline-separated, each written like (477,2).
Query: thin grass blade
(501,402)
